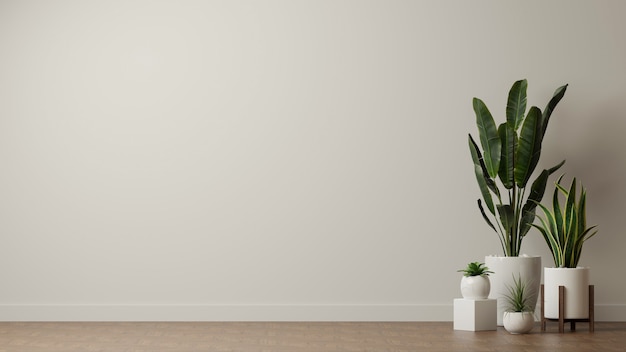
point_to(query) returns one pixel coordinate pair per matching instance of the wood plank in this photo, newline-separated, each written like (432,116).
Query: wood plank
(289,336)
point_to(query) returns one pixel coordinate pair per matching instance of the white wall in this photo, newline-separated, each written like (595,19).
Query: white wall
(284,160)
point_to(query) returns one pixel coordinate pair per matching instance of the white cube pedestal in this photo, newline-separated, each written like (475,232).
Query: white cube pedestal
(475,315)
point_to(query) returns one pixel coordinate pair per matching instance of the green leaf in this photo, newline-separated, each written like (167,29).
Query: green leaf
(547,112)
(570,208)
(480,172)
(582,210)
(537,191)
(508,137)
(507,219)
(556,167)
(476,269)
(482,211)
(538,187)
(558,227)
(587,234)
(529,147)
(489,139)
(518,297)
(507,216)
(516,105)
(549,229)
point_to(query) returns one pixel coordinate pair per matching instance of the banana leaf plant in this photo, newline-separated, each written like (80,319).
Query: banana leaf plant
(505,161)
(565,229)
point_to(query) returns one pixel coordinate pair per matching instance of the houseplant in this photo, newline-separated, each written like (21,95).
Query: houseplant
(503,165)
(518,316)
(475,281)
(565,231)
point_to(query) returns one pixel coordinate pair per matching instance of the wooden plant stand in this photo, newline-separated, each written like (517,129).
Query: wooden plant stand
(561,318)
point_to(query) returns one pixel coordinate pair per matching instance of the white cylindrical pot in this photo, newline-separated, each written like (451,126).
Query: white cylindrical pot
(475,287)
(576,283)
(518,322)
(504,270)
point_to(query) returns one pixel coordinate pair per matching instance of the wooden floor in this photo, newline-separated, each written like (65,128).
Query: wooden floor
(293,337)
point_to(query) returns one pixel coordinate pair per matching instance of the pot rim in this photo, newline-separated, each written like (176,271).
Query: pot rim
(507,256)
(526,312)
(576,268)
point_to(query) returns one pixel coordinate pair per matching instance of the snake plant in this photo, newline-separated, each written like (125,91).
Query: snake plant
(505,161)
(565,229)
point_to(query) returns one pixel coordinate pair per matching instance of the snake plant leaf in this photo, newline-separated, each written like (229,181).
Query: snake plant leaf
(558,215)
(547,112)
(516,105)
(571,226)
(529,147)
(481,174)
(571,239)
(582,210)
(548,231)
(587,234)
(507,159)
(570,205)
(582,206)
(488,135)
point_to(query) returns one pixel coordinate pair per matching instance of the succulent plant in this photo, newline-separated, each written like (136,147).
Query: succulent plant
(475,269)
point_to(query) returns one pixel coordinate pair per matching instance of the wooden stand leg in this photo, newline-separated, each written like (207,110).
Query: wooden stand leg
(591,309)
(543,311)
(561,319)
(561,309)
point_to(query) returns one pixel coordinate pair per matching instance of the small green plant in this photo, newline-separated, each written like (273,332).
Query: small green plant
(475,269)
(565,229)
(518,299)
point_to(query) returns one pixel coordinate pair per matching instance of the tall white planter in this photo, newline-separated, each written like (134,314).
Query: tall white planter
(504,269)
(576,282)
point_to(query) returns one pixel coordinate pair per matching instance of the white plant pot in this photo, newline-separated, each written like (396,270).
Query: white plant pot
(518,322)
(576,282)
(505,268)
(475,287)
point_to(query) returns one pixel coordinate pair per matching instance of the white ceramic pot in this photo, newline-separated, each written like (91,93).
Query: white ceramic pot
(475,287)
(518,322)
(504,269)
(576,282)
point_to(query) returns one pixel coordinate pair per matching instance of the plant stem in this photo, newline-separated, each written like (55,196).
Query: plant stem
(514,250)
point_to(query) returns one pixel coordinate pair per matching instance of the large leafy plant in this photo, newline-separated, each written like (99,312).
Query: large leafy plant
(565,228)
(505,161)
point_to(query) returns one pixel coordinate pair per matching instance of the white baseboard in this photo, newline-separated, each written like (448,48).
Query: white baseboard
(443,312)
(225,312)
(610,312)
